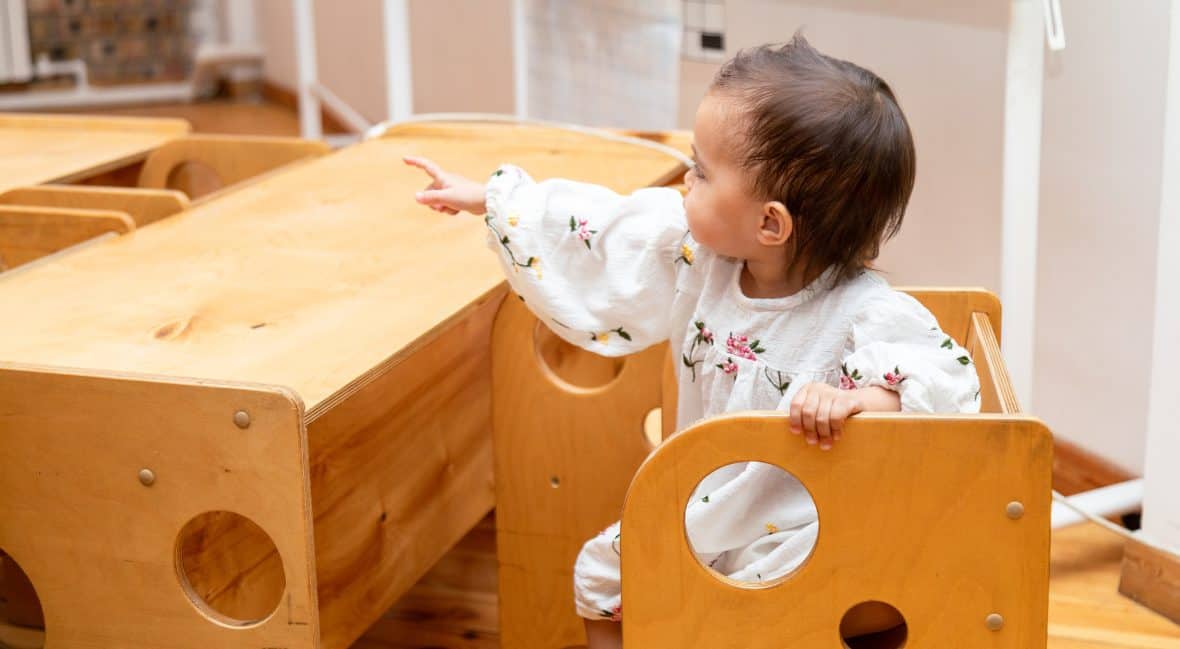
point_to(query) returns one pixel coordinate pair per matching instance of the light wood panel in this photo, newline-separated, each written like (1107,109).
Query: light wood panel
(29,233)
(199,165)
(301,279)
(100,547)
(36,149)
(902,521)
(564,458)
(144,206)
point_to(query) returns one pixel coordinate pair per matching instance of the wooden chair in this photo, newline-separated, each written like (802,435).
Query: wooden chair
(29,233)
(199,165)
(144,206)
(914,510)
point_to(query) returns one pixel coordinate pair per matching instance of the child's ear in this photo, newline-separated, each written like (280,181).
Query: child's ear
(776,226)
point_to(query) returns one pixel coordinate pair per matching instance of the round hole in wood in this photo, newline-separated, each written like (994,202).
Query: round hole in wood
(194,178)
(760,501)
(571,365)
(230,568)
(873,625)
(653,427)
(22,621)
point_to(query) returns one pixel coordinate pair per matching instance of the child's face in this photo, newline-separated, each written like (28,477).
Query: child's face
(722,214)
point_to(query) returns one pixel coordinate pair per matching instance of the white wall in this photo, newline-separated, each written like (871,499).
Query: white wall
(461,52)
(1101,151)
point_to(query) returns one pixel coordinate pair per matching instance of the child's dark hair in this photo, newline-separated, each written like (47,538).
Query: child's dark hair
(827,139)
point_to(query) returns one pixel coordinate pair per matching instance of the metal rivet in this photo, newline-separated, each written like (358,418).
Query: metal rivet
(554,482)
(995,621)
(1015,509)
(146,477)
(242,419)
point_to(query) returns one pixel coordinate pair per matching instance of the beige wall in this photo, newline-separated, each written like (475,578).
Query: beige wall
(1100,189)
(461,53)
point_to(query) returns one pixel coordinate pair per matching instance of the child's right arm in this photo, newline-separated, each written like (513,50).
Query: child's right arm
(597,267)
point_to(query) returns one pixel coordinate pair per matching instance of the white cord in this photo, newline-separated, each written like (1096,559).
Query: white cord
(380,129)
(1138,537)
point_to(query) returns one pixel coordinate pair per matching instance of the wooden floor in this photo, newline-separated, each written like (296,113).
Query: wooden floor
(454,606)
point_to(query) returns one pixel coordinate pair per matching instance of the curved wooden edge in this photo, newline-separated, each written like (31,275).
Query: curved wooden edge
(996,391)
(905,504)
(563,460)
(161,125)
(29,233)
(954,306)
(100,430)
(143,205)
(232,158)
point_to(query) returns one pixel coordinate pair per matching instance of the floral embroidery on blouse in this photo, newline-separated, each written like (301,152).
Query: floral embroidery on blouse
(614,615)
(582,229)
(505,243)
(604,336)
(703,337)
(686,254)
(848,379)
(780,382)
(771,528)
(895,377)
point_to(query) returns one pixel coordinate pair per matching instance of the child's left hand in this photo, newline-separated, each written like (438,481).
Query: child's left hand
(819,410)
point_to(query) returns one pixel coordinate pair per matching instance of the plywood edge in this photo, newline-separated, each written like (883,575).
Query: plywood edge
(161,125)
(1151,577)
(285,391)
(317,409)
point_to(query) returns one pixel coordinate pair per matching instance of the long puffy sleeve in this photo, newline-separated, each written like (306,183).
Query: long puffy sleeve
(599,268)
(897,344)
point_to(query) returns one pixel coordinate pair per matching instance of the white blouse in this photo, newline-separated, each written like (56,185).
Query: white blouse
(615,274)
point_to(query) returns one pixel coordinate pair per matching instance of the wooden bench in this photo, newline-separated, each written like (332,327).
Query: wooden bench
(280,411)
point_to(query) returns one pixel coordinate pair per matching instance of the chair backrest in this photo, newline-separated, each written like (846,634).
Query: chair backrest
(30,233)
(144,206)
(944,518)
(199,165)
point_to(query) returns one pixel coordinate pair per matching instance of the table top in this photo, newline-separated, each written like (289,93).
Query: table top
(36,149)
(308,278)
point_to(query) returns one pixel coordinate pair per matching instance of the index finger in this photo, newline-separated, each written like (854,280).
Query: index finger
(424,164)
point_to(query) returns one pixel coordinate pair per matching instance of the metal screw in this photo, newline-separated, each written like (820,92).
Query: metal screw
(554,482)
(242,419)
(1015,509)
(994,621)
(146,477)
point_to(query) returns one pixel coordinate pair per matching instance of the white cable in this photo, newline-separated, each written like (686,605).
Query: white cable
(1138,537)
(380,129)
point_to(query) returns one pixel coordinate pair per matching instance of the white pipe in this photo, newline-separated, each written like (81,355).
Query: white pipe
(1023,108)
(351,117)
(1161,500)
(83,94)
(1112,500)
(399,92)
(310,125)
(520,60)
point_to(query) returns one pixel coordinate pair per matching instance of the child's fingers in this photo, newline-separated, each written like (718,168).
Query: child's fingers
(822,427)
(797,410)
(435,197)
(425,164)
(810,409)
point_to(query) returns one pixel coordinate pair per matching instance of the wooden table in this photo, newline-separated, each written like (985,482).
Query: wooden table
(36,149)
(373,314)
